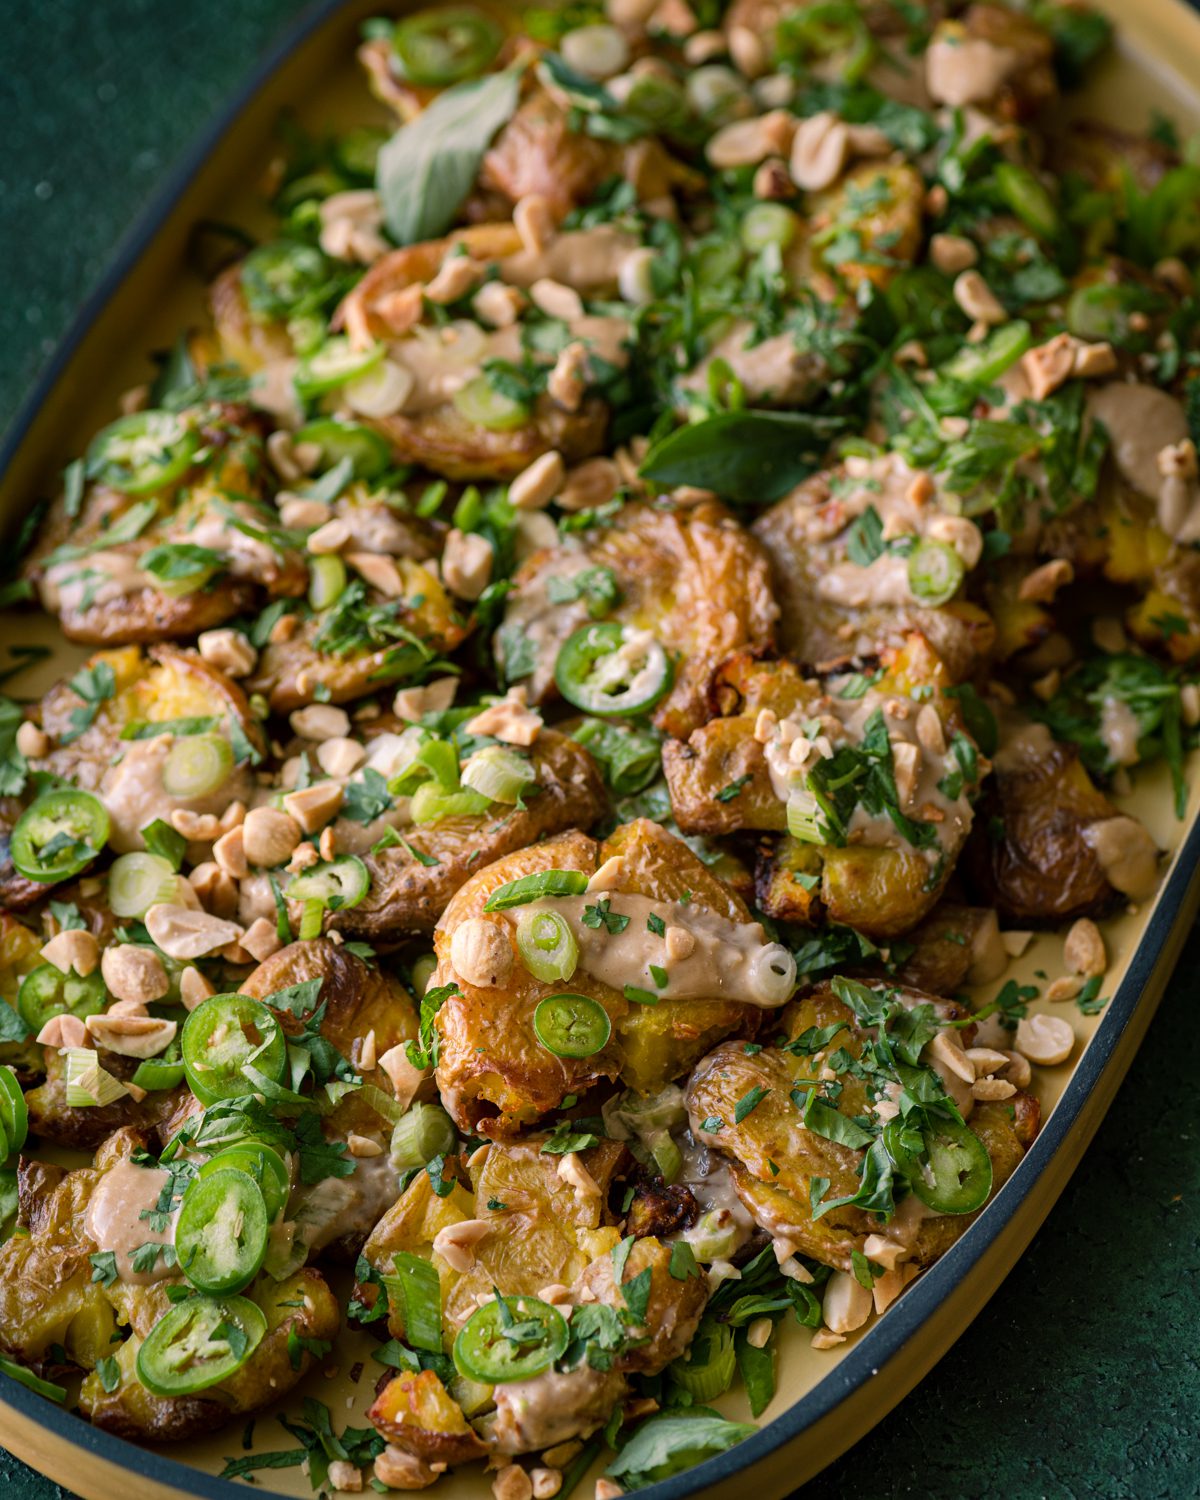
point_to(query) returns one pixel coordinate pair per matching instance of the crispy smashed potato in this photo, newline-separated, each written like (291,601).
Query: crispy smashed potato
(690,574)
(118,754)
(494,1074)
(49,1296)
(1048,845)
(539,1231)
(832,611)
(880,889)
(771,1133)
(409,891)
(99,592)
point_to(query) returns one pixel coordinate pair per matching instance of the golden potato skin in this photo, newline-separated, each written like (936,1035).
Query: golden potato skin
(417,1413)
(880,203)
(154,685)
(51,1118)
(233,435)
(494,1074)
(48,1296)
(688,573)
(408,897)
(772,1132)
(1026,855)
(291,672)
(357,997)
(882,891)
(820,634)
(546,1233)
(302,1304)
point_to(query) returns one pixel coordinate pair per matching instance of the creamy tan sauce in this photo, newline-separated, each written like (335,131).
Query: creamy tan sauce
(134,795)
(729,960)
(113,1218)
(1141,422)
(549,1409)
(774,370)
(98,578)
(706,1175)
(967,70)
(443,360)
(1120,731)
(1127,855)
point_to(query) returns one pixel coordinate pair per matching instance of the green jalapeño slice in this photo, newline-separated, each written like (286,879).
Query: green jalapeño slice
(445,45)
(59,835)
(221,1236)
(945,1164)
(147,450)
(260,1162)
(512,1338)
(571,1025)
(610,669)
(47,992)
(199,1343)
(223,1036)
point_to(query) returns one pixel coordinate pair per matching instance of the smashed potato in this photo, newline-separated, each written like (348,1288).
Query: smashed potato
(494,1073)
(687,573)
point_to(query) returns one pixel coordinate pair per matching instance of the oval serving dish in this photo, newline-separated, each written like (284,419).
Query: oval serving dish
(826,1399)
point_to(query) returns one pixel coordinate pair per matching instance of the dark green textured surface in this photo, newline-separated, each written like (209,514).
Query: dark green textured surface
(1081,1377)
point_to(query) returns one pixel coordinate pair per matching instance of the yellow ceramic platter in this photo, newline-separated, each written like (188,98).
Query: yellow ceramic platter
(826,1399)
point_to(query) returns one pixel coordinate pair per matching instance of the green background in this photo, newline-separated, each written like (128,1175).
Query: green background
(1080,1378)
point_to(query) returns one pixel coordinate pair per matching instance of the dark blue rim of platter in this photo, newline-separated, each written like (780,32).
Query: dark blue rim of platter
(904,1321)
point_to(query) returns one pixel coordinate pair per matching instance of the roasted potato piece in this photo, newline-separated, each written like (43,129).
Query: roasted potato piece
(409,891)
(728,776)
(953,946)
(48,1297)
(493,1072)
(363,642)
(417,1413)
(772,1136)
(876,207)
(832,609)
(51,1118)
(113,756)
(358,998)
(100,593)
(429,429)
(548,1233)
(301,1305)
(1049,845)
(689,574)
(545,1234)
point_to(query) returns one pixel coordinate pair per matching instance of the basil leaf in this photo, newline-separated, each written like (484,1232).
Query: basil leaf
(750,456)
(428,167)
(670,1442)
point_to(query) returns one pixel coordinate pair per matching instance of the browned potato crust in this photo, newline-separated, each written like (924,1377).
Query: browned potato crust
(690,574)
(302,1305)
(821,634)
(357,997)
(291,671)
(882,891)
(143,614)
(1028,856)
(52,1119)
(416,1412)
(407,896)
(48,1297)
(493,1073)
(151,686)
(773,1133)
